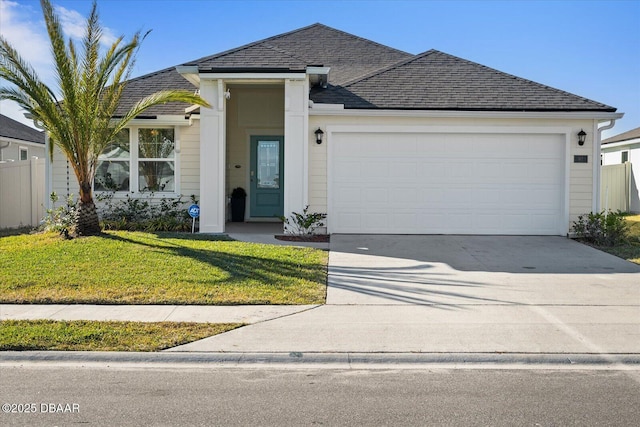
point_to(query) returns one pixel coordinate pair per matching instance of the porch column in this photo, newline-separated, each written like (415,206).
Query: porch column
(296,154)
(212,158)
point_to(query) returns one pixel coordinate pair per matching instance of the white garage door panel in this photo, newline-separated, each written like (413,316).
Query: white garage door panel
(446,183)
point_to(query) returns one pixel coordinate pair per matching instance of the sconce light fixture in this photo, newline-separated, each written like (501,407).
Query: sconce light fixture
(582,136)
(319,136)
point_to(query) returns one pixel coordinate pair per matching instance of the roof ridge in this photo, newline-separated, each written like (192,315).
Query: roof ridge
(490,69)
(388,68)
(285,52)
(522,79)
(318,24)
(247,46)
(223,53)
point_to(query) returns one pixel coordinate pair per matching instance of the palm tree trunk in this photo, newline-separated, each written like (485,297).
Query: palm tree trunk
(87,223)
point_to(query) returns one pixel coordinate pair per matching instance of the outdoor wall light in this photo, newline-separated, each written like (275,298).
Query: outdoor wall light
(582,136)
(319,136)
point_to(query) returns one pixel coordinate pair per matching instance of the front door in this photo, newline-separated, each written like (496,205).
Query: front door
(267,178)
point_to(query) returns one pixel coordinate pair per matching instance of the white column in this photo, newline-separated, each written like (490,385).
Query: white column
(212,158)
(296,124)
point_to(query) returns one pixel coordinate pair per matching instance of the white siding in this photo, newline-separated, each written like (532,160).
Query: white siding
(579,179)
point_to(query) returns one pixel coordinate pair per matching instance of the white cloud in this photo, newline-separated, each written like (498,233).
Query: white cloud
(74,24)
(23,26)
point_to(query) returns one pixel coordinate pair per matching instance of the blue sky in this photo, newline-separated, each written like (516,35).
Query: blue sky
(590,48)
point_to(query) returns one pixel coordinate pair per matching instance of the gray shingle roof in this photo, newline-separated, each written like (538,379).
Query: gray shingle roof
(10,128)
(348,56)
(365,74)
(437,81)
(625,136)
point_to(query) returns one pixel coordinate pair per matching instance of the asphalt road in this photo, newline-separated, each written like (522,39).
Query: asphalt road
(142,396)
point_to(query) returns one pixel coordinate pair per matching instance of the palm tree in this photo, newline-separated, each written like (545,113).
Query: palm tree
(81,123)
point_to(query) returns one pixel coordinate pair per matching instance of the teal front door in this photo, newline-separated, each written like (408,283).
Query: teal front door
(267,167)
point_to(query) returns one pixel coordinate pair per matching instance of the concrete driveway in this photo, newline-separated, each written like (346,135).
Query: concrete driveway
(459,294)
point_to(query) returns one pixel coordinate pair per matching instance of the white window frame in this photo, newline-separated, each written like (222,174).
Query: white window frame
(134,164)
(23,150)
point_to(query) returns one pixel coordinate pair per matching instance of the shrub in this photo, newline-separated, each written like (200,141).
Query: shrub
(602,229)
(136,214)
(304,223)
(62,218)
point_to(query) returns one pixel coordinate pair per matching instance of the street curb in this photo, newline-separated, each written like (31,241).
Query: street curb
(330,360)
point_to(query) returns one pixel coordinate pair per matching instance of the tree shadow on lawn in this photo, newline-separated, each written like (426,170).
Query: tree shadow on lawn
(268,271)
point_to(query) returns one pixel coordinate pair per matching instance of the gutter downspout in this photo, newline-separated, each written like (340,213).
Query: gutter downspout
(596,163)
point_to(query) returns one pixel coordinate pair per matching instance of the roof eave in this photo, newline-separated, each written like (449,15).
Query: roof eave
(462,113)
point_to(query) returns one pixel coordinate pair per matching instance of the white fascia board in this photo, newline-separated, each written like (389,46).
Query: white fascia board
(253,77)
(189,72)
(21,142)
(629,143)
(320,111)
(161,121)
(318,70)
(326,107)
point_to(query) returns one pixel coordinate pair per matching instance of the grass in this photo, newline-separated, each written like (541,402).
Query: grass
(631,249)
(146,268)
(23,335)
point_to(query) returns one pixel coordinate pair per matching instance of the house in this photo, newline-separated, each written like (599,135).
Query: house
(623,150)
(22,165)
(381,140)
(19,142)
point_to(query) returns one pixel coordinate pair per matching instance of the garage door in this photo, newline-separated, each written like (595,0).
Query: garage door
(428,183)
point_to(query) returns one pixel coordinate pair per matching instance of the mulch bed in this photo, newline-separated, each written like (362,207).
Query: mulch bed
(315,238)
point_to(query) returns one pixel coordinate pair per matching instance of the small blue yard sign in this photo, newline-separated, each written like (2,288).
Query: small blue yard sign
(194,211)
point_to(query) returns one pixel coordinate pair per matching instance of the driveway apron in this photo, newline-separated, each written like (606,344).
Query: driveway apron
(459,294)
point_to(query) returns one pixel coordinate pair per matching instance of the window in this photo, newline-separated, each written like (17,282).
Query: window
(156,154)
(113,171)
(625,156)
(139,160)
(24,153)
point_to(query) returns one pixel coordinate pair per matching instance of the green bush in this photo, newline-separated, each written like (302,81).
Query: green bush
(602,229)
(135,214)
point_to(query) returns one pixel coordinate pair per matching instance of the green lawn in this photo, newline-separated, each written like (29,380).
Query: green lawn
(24,335)
(631,249)
(147,268)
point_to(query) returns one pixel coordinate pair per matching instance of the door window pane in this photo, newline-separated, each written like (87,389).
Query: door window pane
(268,161)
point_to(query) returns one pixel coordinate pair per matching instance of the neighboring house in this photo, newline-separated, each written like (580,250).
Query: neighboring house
(621,149)
(22,181)
(428,143)
(19,142)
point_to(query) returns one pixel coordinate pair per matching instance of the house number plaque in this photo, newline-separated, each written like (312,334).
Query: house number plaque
(580,159)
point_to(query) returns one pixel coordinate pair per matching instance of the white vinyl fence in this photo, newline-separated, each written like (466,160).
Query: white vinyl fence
(21,193)
(615,183)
